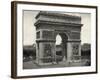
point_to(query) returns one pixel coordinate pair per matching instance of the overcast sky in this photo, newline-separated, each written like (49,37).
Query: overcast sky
(29,31)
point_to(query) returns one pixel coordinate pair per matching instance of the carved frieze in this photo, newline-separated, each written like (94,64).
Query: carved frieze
(75,35)
(47,34)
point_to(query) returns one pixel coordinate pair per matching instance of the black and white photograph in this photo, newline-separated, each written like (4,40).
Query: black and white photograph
(53,39)
(56,39)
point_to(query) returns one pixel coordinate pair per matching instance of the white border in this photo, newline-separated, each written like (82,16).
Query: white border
(31,72)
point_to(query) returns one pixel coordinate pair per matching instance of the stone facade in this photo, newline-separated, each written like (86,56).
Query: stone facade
(48,25)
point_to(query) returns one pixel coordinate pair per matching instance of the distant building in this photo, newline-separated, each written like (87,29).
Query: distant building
(29,50)
(86,51)
(86,47)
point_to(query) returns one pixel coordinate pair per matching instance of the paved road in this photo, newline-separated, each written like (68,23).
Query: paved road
(32,65)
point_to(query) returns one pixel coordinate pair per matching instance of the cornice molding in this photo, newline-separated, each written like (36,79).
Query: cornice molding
(57,23)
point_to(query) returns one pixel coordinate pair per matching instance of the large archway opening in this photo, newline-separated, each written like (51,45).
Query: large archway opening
(58,39)
(61,46)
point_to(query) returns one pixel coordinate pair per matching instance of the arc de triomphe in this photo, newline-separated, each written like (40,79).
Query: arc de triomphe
(48,26)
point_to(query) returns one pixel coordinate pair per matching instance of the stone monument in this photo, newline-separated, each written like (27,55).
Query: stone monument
(48,26)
